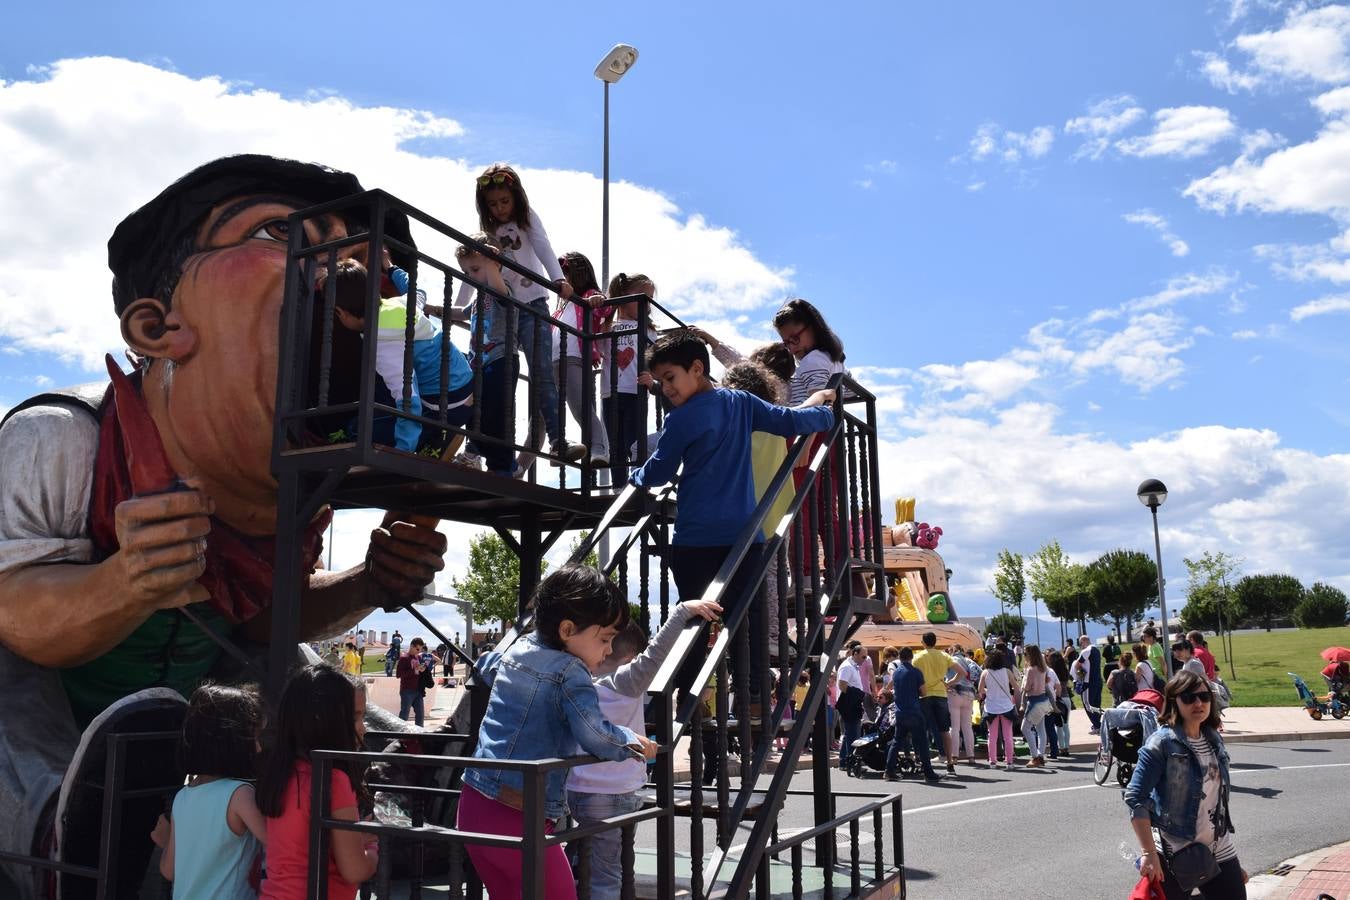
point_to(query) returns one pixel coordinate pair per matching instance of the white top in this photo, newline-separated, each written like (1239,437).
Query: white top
(624,348)
(621,696)
(1143,675)
(360,640)
(1052,682)
(813,374)
(530,248)
(851,673)
(997,692)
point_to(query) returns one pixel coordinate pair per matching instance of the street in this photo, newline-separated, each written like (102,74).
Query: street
(1054,833)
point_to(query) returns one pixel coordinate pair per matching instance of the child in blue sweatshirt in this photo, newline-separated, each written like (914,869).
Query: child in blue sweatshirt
(708,432)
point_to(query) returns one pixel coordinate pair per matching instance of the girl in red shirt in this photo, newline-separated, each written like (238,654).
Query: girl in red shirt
(321,709)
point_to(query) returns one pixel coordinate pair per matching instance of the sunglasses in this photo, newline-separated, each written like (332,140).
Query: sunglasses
(495,178)
(793,340)
(1189,697)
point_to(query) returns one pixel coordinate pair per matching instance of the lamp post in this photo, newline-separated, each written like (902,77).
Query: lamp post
(614,66)
(1152,493)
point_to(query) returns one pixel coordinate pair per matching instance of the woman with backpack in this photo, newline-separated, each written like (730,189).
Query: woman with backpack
(1121,682)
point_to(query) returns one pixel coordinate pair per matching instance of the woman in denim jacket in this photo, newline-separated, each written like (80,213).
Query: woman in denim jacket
(543,705)
(1180,787)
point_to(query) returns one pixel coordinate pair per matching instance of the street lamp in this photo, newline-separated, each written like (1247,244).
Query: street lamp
(614,66)
(1152,493)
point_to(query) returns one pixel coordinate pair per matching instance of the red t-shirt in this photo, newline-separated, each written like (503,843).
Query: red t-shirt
(288,839)
(409,679)
(1207,660)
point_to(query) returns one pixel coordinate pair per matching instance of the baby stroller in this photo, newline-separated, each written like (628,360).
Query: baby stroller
(1318,707)
(1124,731)
(869,752)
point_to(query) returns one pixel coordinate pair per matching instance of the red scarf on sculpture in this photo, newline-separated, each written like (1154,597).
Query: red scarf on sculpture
(131,462)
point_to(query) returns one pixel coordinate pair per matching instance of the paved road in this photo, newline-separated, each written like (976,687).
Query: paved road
(1053,832)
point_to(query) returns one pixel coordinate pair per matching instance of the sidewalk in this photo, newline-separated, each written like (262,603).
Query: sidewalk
(1325,871)
(1241,725)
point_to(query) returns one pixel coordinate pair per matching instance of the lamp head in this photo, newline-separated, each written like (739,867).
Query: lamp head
(616,63)
(1152,493)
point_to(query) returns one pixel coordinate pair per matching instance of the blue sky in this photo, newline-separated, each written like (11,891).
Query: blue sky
(990,203)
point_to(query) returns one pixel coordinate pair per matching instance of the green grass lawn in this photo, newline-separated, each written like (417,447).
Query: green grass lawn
(1262,661)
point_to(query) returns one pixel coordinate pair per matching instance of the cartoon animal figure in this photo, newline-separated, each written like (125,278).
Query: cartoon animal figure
(937,608)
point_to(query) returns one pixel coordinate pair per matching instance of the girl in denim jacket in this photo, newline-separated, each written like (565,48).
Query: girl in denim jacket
(543,705)
(1180,787)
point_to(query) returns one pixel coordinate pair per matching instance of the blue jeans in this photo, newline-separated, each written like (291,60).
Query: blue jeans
(499,377)
(607,846)
(536,342)
(412,701)
(911,726)
(388,667)
(852,728)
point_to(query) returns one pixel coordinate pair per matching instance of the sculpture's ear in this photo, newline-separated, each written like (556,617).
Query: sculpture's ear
(152,331)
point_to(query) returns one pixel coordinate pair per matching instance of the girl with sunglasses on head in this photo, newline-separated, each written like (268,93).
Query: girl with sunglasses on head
(1180,791)
(504,212)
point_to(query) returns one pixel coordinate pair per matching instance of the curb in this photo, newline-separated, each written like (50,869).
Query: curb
(1303,874)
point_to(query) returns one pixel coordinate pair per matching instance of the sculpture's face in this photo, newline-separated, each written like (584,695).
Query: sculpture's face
(220,394)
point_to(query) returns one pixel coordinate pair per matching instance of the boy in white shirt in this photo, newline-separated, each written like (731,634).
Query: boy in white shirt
(607,789)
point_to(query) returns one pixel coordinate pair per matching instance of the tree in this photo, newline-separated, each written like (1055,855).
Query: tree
(1323,606)
(1053,578)
(1010,584)
(492,581)
(1009,625)
(1210,600)
(1269,597)
(1121,585)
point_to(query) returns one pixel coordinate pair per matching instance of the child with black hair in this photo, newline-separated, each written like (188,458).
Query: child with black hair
(217,833)
(581,313)
(543,704)
(709,433)
(425,378)
(603,790)
(320,709)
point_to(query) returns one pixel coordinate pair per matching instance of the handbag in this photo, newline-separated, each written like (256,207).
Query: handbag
(1192,866)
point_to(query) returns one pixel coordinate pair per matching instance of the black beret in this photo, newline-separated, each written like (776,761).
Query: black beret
(142,246)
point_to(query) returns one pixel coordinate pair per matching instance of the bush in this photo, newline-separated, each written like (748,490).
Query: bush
(1323,607)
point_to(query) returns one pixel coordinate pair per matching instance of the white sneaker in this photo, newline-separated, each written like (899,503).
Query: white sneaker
(469,460)
(569,451)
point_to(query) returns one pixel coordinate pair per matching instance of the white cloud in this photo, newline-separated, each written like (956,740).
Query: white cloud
(975,187)
(991,140)
(76,141)
(1309,177)
(1222,75)
(1313,44)
(1245,334)
(1156,223)
(1182,131)
(1320,307)
(1105,119)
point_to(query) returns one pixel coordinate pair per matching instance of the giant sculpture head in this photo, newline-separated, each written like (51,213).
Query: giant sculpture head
(198,281)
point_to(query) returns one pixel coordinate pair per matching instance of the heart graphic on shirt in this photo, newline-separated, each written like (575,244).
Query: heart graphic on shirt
(626,357)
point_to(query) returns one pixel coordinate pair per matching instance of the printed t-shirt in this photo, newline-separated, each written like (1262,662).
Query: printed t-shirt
(288,839)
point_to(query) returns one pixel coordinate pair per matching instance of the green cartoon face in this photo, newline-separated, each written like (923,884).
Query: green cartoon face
(937,608)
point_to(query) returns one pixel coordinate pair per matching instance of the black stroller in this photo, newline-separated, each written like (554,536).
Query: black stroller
(869,752)
(1123,738)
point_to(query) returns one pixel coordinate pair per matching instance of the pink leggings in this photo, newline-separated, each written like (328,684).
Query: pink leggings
(997,723)
(499,867)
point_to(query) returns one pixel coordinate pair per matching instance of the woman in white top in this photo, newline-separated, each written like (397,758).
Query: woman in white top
(997,687)
(1143,671)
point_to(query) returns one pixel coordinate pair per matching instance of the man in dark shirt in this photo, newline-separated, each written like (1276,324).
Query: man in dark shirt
(907,685)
